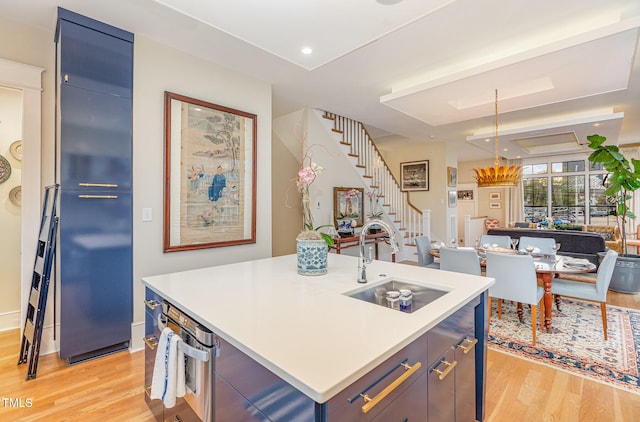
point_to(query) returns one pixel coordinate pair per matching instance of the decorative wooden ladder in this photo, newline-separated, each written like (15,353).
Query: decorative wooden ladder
(45,252)
(397,205)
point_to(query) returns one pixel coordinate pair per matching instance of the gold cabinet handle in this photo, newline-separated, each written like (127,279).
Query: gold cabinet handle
(66,78)
(152,304)
(151,342)
(98,185)
(371,402)
(98,196)
(147,390)
(471,343)
(449,367)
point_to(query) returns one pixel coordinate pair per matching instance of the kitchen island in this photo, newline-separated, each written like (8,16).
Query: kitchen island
(308,334)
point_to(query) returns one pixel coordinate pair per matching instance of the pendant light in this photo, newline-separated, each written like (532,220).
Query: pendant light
(498,176)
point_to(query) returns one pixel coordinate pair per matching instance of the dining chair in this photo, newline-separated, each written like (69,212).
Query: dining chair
(542,245)
(595,292)
(425,259)
(515,279)
(494,239)
(460,260)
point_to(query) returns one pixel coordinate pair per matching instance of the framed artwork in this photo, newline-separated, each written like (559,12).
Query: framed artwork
(494,196)
(452,176)
(414,175)
(210,175)
(465,195)
(348,205)
(495,205)
(453,196)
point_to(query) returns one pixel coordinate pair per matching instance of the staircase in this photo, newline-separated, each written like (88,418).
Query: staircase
(363,153)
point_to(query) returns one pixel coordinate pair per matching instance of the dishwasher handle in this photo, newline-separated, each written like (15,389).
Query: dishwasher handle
(192,352)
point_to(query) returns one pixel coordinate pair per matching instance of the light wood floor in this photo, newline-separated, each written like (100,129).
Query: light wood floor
(110,388)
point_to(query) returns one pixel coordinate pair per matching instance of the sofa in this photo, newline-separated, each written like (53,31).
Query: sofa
(577,244)
(611,234)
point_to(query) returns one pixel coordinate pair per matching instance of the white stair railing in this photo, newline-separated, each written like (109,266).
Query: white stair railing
(396,203)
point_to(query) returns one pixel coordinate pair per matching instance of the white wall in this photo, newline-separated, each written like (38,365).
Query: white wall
(10,213)
(158,68)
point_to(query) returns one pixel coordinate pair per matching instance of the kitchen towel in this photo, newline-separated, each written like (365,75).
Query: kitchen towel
(168,381)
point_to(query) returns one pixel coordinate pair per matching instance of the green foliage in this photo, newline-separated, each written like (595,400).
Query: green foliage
(623,178)
(328,239)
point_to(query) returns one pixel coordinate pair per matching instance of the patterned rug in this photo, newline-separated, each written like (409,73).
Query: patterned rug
(577,344)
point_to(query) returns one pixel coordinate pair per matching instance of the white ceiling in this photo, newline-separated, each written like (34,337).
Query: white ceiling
(414,70)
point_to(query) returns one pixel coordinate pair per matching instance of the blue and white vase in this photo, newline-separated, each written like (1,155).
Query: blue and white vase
(312,257)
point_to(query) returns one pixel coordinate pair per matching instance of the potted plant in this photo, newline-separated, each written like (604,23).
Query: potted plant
(623,179)
(312,244)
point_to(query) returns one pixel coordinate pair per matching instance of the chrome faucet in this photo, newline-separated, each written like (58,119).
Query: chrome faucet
(363,261)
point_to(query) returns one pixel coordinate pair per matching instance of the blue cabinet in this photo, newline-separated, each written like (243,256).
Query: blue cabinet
(435,378)
(94,55)
(93,168)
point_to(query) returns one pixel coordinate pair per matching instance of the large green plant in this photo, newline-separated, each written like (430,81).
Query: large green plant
(623,179)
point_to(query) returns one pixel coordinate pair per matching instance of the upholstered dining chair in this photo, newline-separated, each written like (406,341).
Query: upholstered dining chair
(425,259)
(460,260)
(493,239)
(596,292)
(544,245)
(515,277)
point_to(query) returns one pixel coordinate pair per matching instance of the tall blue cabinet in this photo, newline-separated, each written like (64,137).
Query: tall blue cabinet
(94,76)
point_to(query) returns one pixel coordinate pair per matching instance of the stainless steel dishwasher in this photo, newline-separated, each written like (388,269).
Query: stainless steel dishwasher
(199,349)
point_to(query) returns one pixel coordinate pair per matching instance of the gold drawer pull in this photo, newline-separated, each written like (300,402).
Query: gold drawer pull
(98,196)
(98,185)
(152,304)
(443,374)
(151,342)
(147,390)
(466,349)
(371,402)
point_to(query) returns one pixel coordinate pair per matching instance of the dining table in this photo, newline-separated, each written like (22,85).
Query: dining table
(546,267)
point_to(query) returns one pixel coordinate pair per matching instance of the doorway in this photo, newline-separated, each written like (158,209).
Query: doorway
(27,80)
(10,205)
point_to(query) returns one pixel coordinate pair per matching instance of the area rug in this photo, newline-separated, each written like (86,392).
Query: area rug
(576,344)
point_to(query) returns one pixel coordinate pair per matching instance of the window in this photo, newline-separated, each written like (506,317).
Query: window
(572,193)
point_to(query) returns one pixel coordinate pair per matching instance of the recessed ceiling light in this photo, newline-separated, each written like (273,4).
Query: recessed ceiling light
(307,50)
(596,124)
(487,140)
(388,2)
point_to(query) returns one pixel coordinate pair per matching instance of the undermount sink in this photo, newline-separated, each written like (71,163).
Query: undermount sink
(377,294)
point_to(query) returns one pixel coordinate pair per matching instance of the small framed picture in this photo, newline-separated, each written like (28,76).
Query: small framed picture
(414,176)
(495,204)
(452,176)
(453,196)
(465,195)
(494,196)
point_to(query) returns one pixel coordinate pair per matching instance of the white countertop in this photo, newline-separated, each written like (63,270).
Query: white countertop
(302,328)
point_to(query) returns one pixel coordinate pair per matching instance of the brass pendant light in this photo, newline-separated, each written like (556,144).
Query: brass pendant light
(498,176)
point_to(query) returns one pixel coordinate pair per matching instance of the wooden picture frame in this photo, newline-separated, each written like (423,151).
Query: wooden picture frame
(453,197)
(348,204)
(210,175)
(494,196)
(465,195)
(495,205)
(452,177)
(414,176)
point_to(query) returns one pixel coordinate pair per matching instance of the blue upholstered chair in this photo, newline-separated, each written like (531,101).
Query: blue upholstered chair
(589,291)
(425,259)
(492,239)
(460,260)
(515,277)
(543,245)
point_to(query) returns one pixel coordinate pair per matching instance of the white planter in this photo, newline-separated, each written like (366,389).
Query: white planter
(312,257)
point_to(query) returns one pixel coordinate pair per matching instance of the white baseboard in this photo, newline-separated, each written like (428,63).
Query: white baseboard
(10,320)
(137,333)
